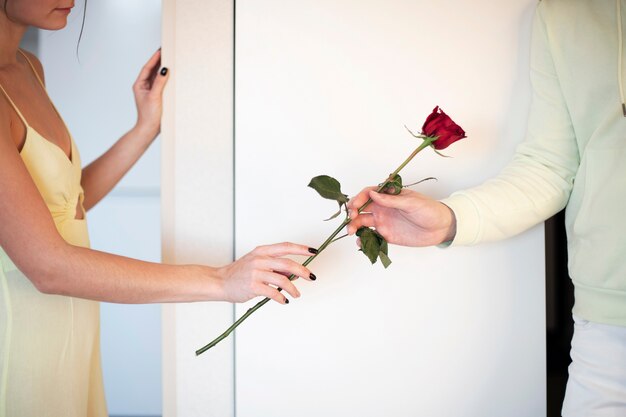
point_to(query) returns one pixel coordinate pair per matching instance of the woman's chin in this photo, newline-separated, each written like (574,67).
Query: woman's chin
(53,25)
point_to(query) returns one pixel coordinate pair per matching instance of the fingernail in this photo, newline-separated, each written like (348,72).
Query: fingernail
(286,301)
(312,276)
(164,71)
(313,250)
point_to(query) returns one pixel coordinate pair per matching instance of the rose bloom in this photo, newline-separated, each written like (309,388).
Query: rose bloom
(440,125)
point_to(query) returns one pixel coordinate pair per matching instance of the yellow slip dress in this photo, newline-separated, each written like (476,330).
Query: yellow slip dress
(49,344)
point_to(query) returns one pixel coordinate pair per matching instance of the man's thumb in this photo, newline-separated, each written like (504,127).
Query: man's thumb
(399,202)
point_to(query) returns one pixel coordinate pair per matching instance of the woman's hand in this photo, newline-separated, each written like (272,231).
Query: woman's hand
(407,219)
(262,272)
(148,91)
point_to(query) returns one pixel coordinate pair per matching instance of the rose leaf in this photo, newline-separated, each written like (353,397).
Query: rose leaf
(370,243)
(329,188)
(383,254)
(394,186)
(336,214)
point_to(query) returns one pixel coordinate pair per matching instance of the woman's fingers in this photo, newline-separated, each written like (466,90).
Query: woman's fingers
(288,266)
(273,293)
(283,249)
(277,270)
(281,281)
(262,271)
(148,71)
(158,85)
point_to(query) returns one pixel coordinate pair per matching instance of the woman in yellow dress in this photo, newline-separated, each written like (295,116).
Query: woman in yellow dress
(50,280)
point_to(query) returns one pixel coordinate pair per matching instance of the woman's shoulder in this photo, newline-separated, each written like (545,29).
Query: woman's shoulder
(5,115)
(36,63)
(5,122)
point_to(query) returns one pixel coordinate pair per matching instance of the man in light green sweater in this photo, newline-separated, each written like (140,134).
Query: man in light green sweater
(574,156)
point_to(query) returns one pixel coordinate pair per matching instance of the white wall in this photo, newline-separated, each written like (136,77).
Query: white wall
(94,96)
(325,87)
(197,197)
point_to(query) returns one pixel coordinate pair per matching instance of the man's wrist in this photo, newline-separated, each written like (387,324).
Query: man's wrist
(451,229)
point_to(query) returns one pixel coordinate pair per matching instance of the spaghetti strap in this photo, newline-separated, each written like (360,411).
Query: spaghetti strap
(49,99)
(19,113)
(32,67)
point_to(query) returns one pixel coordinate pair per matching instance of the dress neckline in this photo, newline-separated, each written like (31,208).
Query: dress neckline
(29,129)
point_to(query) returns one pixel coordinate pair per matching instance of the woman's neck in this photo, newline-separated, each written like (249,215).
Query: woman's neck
(11,35)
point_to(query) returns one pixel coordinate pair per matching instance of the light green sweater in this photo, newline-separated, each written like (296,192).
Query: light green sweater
(574,155)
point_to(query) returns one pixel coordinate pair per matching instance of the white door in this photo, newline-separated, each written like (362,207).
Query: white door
(326,87)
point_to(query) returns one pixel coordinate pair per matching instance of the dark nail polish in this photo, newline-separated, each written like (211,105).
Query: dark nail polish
(164,71)
(286,301)
(313,251)
(312,276)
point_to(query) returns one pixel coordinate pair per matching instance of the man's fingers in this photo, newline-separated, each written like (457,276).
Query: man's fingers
(363,219)
(360,199)
(400,202)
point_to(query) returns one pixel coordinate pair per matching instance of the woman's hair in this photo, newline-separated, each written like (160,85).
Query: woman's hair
(82,26)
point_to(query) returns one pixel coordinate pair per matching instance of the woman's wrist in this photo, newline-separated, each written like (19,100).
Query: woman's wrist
(147,132)
(213,283)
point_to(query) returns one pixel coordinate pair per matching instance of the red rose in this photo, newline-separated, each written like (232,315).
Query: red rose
(440,125)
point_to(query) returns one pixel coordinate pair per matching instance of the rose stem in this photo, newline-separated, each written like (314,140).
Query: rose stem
(265,300)
(427,141)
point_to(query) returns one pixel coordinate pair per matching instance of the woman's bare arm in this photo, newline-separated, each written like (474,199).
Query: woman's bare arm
(30,238)
(100,176)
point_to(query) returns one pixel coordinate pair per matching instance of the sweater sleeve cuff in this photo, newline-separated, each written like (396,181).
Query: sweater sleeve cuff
(467,220)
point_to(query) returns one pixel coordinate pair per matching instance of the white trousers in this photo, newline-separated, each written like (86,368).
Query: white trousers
(597,375)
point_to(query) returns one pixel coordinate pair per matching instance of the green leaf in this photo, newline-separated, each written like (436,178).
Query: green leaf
(329,188)
(336,214)
(374,246)
(384,250)
(420,181)
(384,259)
(440,154)
(370,244)
(384,247)
(394,187)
